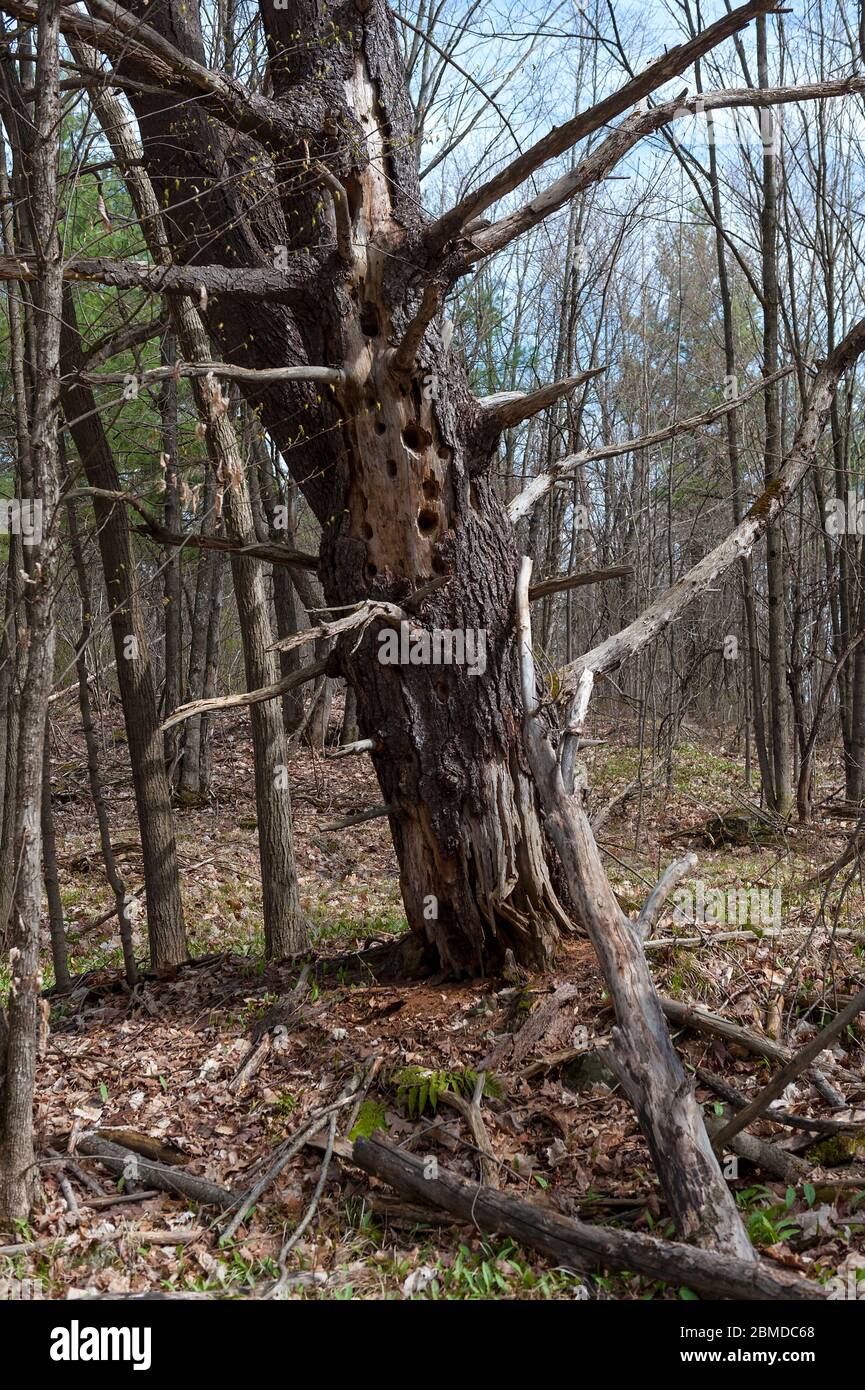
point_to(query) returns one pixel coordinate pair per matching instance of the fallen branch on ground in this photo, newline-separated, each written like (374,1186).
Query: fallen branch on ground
(575,1244)
(175,1181)
(722,1087)
(672,875)
(793,1068)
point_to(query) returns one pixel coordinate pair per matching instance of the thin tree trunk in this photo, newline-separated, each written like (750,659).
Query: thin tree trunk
(285,928)
(131,650)
(59,951)
(172,556)
(18,1171)
(779,698)
(91,742)
(207,568)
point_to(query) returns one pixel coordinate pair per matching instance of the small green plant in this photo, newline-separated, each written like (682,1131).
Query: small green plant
(419,1089)
(768,1220)
(369,1119)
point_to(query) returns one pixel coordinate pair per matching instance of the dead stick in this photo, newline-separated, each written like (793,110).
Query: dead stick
(791,1070)
(778,1117)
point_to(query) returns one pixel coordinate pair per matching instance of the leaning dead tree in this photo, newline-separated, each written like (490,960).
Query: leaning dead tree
(294,219)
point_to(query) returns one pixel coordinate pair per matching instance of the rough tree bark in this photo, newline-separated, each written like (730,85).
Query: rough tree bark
(18,1172)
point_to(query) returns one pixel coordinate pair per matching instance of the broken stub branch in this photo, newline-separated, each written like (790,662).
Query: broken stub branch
(642,1055)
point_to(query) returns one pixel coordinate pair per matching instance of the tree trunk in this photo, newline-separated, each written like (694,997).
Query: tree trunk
(285,928)
(91,743)
(59,953)
(172,557)
(206,570)
(400,482)
(350,732)
(18,1170)
(211,672)
(782,780)
(134,670)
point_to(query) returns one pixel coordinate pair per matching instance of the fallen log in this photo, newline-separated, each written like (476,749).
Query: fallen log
(125,1163)
(640,1053)
(772,1159)
(577,1245)
(703,1021)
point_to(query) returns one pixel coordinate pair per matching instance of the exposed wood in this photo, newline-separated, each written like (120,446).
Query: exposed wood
(471,1113)
(510,1052)
(326,376)
(641,1053)
(508,408)
(671,877)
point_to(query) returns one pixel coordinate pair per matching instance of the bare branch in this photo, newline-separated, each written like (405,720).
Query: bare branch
(508,408)
(541,485)
(121,340)
(249,697)
(564,137)
(137,48)
(672,875)
(276,285)
(350,750)
(360,617)
(740,542)
(271,554)
(403,356)
(796,1065)
(358,817)
(327,376)
(341,213)
(559,583)
(601,161)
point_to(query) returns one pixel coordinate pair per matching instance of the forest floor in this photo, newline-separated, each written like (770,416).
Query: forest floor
(160,1060)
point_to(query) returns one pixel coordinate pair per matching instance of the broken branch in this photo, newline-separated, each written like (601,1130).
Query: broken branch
(508,408)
